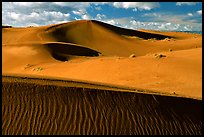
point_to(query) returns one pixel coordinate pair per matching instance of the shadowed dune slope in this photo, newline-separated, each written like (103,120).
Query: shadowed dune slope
(60,51)
(30,108)
(129,32)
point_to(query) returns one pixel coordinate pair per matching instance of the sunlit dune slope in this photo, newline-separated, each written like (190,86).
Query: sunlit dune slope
(96,51)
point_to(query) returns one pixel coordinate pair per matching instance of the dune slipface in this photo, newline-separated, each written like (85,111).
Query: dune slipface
(30,108)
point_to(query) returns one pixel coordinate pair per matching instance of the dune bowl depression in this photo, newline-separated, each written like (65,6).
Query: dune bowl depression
(90,78)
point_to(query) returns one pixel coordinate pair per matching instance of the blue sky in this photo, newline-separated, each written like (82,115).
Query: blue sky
(169,16)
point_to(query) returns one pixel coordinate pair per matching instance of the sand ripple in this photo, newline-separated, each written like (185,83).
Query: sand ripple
(40,109)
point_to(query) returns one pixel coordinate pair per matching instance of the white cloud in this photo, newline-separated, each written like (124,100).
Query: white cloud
(27,4)
(98,8)
(190,14)
(139,5)
(169,27)
(120,22)
(85,17)
(99,3)
(17,12)
(56,15)
(112,22)
(100,16)
(187,28)
(74,5)
(159,26)
(199,12)
(14,15)
(76,18)
(158,15)
(83,13)
(185,3)
(131,23)
(170,17)
(79,12)
(44,13)
(34,18)
(41,13)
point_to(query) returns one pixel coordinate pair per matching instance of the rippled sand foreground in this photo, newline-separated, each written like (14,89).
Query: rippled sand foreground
(39,108)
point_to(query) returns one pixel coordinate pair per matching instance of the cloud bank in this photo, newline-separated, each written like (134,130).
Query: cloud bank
(186,3)
(45,13)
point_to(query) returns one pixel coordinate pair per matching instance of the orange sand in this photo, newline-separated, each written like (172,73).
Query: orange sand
(95,51)
(36,106)
(90,78)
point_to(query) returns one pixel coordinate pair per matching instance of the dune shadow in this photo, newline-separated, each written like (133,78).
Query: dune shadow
(61,51)
(129,32)
(6,27)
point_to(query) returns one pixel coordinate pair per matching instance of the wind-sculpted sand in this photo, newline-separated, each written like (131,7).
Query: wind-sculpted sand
(87,77)
(34,108)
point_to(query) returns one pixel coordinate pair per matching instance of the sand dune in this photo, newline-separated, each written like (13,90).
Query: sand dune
(104,38)
(119,61)
(75,42)
(49,109)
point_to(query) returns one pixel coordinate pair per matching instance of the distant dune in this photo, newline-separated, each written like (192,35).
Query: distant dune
(6,26)
(166,63)
(104,38)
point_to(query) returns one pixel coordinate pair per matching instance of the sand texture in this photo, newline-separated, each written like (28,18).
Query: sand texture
(63,110)
(89,77)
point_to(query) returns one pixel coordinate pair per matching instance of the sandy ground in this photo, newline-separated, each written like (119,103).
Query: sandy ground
(101,53)
(166,63)
(30,107)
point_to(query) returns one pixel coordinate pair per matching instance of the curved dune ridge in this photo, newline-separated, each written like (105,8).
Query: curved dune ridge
(60,50)
(30,108)
(97,36)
